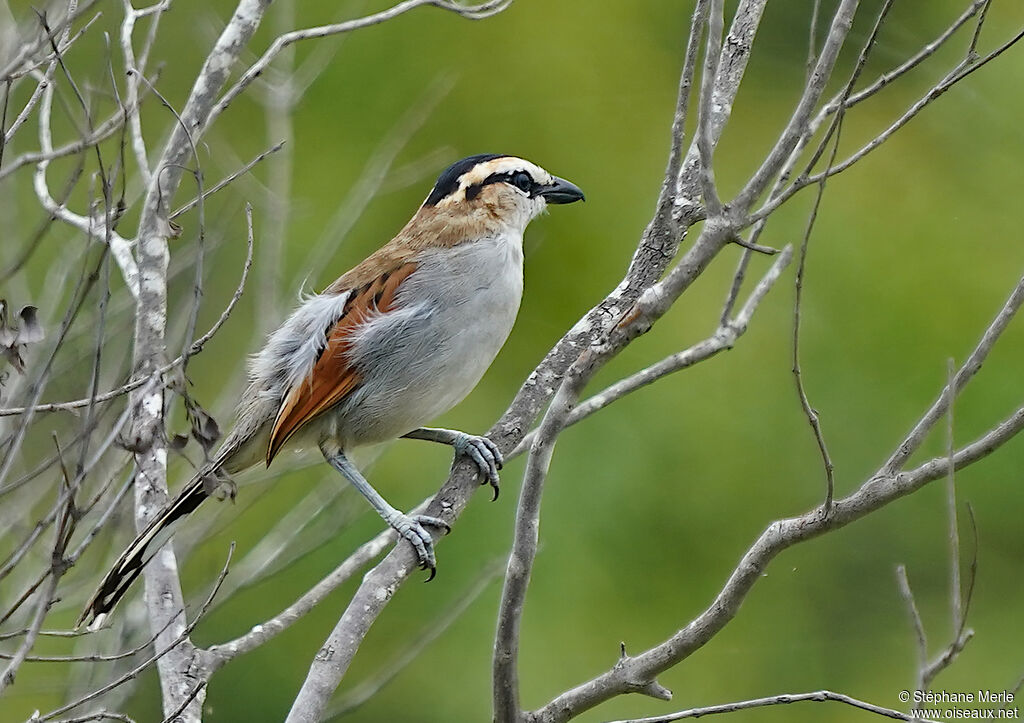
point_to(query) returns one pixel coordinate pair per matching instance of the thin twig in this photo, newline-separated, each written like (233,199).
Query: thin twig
(366,690)
(812,40)
(956,604)
(195,348)
(134,672)
(227,180)
(173,715)
(633,672)
(963,375)
(724,338)
(473,12)
(821,696)
(907,594)
(960,72)
(675,155)
(259,634)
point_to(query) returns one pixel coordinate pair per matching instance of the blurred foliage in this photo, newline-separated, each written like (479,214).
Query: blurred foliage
(650,503)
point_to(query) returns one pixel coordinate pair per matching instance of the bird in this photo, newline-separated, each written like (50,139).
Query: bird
(394,342)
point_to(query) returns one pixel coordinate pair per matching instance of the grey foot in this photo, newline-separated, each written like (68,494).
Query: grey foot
(411,528)
(485,455)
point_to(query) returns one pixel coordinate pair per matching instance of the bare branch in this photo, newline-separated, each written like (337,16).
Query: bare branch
(798,122)
(812,39)
(156,657)
(729,69)
(724,338)
(226,181)
(473,12)
(821,696)
(705,142)
(90,139)
(885,487)
(961,71)
(263,632)
(505,674)
(834,133)
(433,630)
(970,367)
(119,247)
(45,601)
(670,187)
(135,71)
(961,635)
(915,618)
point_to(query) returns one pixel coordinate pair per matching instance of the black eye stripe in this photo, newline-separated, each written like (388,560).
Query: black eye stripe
(510,177)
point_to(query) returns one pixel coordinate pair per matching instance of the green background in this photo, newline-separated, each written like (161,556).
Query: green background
(650,503)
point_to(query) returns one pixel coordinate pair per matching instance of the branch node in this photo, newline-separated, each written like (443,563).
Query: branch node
(740,241)
(654,689)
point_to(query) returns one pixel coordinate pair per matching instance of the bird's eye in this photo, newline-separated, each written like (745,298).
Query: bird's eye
(522,181)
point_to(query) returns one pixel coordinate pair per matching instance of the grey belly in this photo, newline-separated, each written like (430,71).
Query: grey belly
(418,363)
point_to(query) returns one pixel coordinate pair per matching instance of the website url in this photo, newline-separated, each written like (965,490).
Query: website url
(966,713)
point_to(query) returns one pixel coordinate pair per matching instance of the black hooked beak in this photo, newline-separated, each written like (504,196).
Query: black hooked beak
(560,191)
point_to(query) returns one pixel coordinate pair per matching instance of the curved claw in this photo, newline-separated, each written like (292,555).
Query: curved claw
(413,529)
(485,455)
(433,522)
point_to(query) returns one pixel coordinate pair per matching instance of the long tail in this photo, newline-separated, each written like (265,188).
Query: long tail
(128,566)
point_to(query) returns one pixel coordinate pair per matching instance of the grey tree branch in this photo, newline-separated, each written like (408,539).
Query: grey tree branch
(907,594)
(434,629)
(725,82)
(886,486)
(163,589)
(831,136)
(263,632)
(189,695)
(798,122)
(703,138)
(724,338)
(960,634)
(968,65)
(964,374)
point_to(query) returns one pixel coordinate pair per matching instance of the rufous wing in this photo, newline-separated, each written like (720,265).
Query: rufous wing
(333,377)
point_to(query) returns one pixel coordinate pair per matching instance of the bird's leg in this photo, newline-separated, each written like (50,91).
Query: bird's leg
(483,452)
(409,527)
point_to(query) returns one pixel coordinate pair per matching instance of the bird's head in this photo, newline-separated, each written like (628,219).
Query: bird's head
(507,189)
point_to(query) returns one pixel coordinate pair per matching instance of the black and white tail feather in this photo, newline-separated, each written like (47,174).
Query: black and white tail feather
(148,542)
